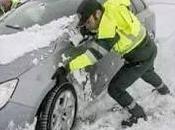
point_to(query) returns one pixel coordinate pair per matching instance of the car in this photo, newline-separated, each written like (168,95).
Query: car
(29,90)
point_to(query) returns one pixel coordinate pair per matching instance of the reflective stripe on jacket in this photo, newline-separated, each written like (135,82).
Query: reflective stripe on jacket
(82,61)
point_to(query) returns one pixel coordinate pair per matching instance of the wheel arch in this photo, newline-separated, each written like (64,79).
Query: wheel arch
(55,86)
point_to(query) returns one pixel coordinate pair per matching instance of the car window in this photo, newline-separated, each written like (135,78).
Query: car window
(26,16)
(41,12)
(59,8)
(138,5)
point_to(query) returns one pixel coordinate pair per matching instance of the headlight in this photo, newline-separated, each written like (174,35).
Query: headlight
(6,91)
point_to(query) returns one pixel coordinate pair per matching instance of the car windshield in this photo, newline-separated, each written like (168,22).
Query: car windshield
(36,12)
(26,16)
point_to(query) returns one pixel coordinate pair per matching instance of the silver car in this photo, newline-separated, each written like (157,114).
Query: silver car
(29,91)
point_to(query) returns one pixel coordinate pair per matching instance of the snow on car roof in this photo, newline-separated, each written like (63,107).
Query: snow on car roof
(15,45)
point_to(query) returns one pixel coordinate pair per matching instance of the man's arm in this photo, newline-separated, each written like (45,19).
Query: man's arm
(96,50)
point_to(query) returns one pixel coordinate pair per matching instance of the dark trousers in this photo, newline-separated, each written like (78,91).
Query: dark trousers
(139,64)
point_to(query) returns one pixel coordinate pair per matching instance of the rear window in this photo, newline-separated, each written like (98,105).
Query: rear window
(138,6)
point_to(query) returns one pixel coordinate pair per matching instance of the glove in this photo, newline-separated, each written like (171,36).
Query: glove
(60,75)
(75,37)
(84,32)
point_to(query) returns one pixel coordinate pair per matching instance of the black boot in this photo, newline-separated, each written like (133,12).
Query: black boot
(163,89)
(136,112)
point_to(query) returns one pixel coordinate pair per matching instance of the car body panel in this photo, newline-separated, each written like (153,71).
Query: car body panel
(147,17)
(24,63)
(40,75)
(14,115)
(141,5)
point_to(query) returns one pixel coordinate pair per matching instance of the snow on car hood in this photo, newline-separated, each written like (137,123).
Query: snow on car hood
(16,45)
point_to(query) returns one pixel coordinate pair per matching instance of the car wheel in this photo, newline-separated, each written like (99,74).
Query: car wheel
(58,110)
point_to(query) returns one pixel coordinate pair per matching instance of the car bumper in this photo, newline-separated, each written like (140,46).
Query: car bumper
(15,115)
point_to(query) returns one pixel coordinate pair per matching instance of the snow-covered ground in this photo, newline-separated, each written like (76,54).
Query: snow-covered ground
(160,109)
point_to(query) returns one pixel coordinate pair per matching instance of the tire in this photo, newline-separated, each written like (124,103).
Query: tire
(58,110)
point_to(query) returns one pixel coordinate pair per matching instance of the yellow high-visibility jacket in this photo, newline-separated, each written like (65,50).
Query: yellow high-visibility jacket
(116,19)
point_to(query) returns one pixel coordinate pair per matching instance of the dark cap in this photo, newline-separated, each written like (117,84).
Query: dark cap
(87,8)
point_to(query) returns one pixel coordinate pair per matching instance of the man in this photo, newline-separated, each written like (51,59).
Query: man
(118,29)
(6,5)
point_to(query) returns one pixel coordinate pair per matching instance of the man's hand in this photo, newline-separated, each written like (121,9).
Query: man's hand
(75,36)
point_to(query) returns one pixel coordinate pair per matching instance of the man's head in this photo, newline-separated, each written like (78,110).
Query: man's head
(90,12)
(5,5)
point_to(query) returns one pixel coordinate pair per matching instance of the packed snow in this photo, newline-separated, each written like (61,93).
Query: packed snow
(160,109)
(31,39)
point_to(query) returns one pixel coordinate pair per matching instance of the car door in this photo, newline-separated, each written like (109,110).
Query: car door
(138,6)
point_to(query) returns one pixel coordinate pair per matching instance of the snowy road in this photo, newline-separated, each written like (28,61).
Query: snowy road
(160,109)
